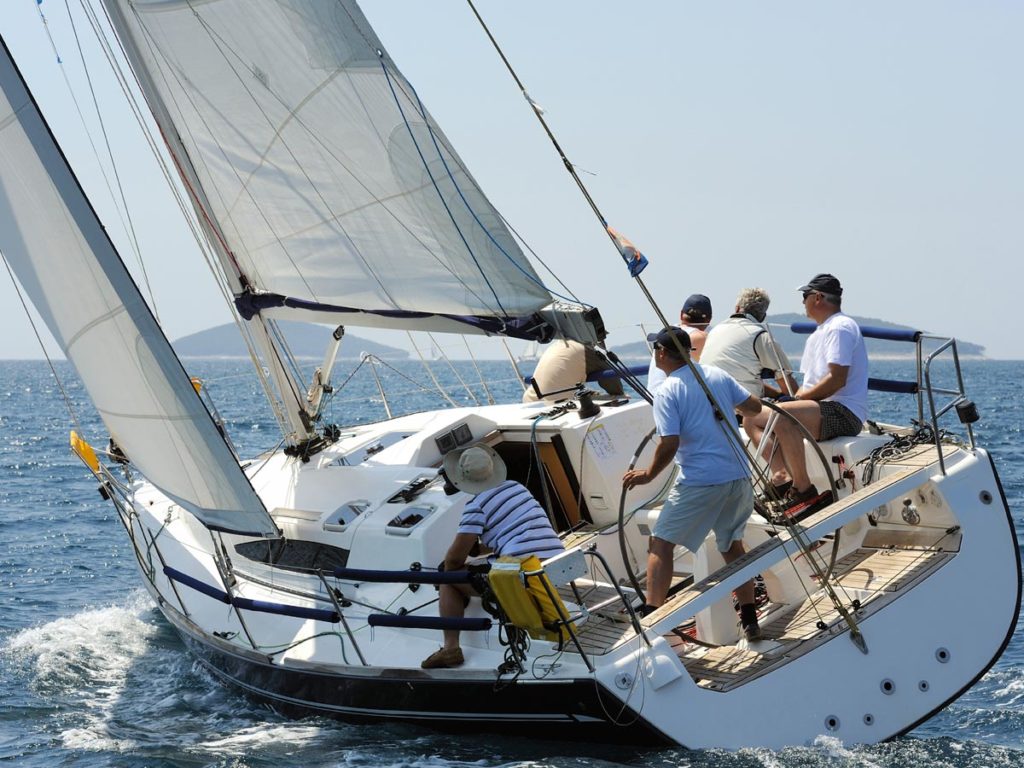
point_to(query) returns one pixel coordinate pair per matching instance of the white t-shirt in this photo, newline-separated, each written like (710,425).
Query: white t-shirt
(838,341)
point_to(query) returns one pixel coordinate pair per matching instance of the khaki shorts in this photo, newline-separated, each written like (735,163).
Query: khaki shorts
(691,511)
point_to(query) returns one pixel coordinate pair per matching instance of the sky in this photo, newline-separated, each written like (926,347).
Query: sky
(735,143)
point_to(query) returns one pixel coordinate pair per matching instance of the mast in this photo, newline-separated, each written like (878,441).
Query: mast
(286,396)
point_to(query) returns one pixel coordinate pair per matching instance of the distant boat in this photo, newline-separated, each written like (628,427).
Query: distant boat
(305,577)
(530,354)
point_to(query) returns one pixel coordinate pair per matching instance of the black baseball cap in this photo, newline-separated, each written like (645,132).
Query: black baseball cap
(698,307)
(664,337)
(825,283)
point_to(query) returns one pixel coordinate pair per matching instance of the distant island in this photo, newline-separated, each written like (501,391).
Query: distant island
(304,340)
(793,343)
(307,340)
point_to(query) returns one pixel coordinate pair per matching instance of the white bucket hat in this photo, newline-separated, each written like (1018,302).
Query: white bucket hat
(475,469)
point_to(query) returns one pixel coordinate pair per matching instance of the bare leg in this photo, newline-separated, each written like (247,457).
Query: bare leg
(452,605)
(659,570)
(791,440)
(770,449)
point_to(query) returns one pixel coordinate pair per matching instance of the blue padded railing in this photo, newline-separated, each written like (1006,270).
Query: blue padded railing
(403,577)
(262,606)
(887,334)
(868,332)
(409,621)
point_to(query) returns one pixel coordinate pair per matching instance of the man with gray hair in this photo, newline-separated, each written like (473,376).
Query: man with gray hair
(742,347)
(833,399)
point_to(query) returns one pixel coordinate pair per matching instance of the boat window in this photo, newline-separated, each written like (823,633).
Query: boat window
(294,555)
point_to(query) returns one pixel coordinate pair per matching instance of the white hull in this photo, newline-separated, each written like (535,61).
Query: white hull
(937,600)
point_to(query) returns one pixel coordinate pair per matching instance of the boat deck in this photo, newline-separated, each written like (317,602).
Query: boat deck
(877,575)
(887,563)
(872,575)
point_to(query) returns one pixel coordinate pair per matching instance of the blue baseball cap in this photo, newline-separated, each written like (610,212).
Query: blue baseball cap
(698,308)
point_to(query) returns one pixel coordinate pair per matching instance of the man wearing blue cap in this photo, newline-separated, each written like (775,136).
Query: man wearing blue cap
(833,399)
(694,318)
(713,491)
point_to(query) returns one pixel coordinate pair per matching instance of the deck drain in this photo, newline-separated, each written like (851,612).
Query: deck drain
(888,687)
(832,723)
(942,655)
(869,719)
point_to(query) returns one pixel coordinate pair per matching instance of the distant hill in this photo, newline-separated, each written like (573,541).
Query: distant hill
(793,343)
(304,339)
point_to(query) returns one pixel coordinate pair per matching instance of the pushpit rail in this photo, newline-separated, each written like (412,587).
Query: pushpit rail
(923,387)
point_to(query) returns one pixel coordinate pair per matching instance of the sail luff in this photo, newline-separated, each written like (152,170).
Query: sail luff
(285,397)
(64,260)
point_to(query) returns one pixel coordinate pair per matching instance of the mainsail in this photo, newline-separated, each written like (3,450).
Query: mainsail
(330,189)
(57,247)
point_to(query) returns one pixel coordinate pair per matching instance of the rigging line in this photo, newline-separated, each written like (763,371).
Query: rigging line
(122,210)
(483,381)
(188,212)
(430,373)
(515,365)
(293,114)
(282,341)
(569,166)
(380,201)
(42,346)
(465,171)
(217,40)
(426,167)
(536,256)
(455,184)
(462,381)
(420,387)
(219,274)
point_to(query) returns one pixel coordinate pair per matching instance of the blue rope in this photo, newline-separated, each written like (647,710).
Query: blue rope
(516,264)
(433,181)
(462,197)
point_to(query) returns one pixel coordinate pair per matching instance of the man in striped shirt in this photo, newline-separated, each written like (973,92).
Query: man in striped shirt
(503,517)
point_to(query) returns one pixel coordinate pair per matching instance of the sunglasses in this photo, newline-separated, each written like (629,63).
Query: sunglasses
(809,293)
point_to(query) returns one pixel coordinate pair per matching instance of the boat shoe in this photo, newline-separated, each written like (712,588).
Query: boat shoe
(443,658)
(752,632)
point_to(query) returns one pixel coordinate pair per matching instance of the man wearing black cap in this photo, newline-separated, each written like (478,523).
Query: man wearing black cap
(694,318)
(833,399)
(713,490)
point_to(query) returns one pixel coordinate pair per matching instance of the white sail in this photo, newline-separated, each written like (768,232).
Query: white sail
(329,183)
(58,249)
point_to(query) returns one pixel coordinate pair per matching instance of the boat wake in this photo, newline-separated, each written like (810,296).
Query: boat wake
(116,682)
(119,682)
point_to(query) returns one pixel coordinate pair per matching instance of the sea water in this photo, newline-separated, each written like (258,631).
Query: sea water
(91,675)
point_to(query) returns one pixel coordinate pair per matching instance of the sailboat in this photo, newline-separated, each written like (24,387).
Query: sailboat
(305,576)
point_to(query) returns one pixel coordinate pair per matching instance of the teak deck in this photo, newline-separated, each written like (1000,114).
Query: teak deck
(876,573)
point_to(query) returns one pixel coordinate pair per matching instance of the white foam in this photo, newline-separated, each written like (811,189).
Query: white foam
(94,647)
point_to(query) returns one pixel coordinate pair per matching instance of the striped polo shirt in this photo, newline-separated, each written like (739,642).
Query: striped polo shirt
(509,521)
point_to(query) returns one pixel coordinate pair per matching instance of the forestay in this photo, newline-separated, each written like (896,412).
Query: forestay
(330,185)
(56,246)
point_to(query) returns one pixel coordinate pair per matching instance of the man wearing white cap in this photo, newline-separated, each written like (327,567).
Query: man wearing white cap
(502,516)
